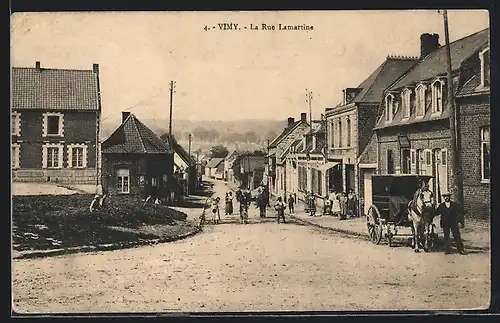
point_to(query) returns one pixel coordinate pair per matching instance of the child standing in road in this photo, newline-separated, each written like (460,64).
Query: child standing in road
(280,209)
(291,203)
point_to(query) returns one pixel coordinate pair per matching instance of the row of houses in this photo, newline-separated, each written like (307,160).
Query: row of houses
(396,122)
(250,169)
(56,118)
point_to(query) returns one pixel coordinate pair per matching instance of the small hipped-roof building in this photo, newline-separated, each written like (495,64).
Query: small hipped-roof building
(137,161)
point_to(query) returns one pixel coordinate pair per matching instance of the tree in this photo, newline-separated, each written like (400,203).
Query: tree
(250,137)
(219,151)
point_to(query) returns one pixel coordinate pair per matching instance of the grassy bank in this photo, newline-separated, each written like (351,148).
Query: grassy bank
(62,221)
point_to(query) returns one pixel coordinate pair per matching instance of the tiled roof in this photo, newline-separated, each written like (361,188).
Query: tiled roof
(214,162)
(54,89)
(133,137)
(320,144)
(434,64)
(473,86)
(182,152)
(388,72)
(284,133)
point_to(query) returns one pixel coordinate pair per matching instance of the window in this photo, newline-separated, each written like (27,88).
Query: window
(405,101)
(389,107)
(340,132)
(485,67)
(348,132)
(52,155)
(332,127)
(77,156)
(123,181)
(428,159)
(406,160)
(16,124)
(390,162)
(15,156)
(53,124)
(437,96)
(485,154)
(420,100)
(413,161)
(444,157)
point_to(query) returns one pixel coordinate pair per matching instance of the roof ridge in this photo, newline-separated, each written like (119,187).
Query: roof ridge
(379,69)
(53,69)
(138,132)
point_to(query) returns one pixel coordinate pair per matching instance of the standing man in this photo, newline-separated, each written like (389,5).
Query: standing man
(291,203)
(280,209)
(262,204)
(451,215)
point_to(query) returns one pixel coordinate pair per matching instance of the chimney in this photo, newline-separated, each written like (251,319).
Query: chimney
(290,121)
(37,65)
(125,116)
(428,44)
(95,68)
(303,116)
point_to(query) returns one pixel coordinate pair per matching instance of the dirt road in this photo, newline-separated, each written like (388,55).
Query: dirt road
(254,267)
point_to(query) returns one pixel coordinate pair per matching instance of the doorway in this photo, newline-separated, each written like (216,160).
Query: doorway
(406,161)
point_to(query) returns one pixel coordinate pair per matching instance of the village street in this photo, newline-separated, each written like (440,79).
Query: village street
(254,267)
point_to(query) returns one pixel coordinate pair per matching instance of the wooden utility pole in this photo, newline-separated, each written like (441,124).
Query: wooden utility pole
(309,97)
(456,167)
(189,145)
(172,86)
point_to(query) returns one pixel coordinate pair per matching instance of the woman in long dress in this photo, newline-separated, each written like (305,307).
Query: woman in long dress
(336,204)
(215,210)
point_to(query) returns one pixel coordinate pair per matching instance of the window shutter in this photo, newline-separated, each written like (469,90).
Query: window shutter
(84,162)
(44,157)
(60,150)
(70,157)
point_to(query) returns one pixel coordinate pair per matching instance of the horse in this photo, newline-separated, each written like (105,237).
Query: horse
(421,213)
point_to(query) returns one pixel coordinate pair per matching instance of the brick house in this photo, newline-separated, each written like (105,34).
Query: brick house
(473,102)
(413,131)
(137,162)
(275,170)
(350,127)
(55,125)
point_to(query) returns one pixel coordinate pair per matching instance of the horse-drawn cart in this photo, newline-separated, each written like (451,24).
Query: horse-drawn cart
(391,195)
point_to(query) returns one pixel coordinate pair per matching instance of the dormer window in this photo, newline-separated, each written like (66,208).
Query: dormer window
(437,96)
(389,107)
(484,56)
(420,100)
(405,103)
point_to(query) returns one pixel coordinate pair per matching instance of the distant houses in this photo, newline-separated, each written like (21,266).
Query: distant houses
(215,168)
(55,125)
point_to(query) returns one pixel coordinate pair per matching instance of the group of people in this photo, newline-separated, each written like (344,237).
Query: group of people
(451,219)
(337,204)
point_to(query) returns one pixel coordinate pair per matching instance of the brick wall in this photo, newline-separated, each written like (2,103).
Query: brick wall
(79,127)
(367,117)
(474,113)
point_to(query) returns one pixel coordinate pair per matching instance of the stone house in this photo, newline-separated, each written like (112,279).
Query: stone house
(137,162)
(56,115)
(412,131)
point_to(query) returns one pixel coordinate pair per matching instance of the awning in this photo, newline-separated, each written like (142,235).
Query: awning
(404,142)
(323,168)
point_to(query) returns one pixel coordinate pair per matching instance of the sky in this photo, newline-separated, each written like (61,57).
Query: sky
(227,74)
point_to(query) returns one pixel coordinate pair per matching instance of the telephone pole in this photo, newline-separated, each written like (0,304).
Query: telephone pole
(309,97)
(189,145)
(456,166)
(172,87)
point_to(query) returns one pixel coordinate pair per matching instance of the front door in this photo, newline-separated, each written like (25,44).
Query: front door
(349,177)
(406,161)
(368,173)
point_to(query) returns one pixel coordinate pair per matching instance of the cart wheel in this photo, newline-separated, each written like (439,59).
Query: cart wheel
(374,225)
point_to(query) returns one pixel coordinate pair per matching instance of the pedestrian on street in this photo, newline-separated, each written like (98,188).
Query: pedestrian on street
(451,213)
(215,209)
(343,206)
(335,204)
(280,209)
(291,203)
(262,205)
(231,206)
(327,205)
